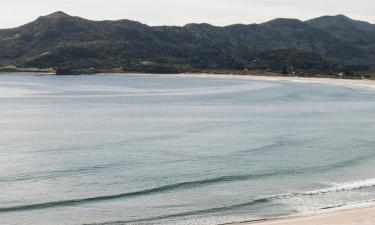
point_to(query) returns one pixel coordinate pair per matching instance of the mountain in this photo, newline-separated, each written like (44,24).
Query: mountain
(330,44)
(356,33)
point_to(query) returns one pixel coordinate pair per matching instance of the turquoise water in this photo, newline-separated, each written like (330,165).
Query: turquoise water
(110,149)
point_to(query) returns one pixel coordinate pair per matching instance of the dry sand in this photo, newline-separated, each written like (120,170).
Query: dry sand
(335,81)
(364,216)
(363,82)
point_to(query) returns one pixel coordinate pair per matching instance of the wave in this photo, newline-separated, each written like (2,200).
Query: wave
(232,178)
(205,182)
(157,190)
(187,185)
(190,213)
(337,188)
(352,205)
(46,175)
(349,186)
(341,187)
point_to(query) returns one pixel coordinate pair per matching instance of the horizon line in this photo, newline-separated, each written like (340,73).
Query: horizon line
(197,22)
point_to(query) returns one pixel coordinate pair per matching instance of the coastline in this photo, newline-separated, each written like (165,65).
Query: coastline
(334,81)
(323,80)
(271,77)
(350,214)
(360,216)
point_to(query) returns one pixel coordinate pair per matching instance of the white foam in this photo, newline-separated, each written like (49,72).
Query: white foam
(340,187)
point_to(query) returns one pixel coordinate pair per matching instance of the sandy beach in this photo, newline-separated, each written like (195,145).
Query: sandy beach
(364,216)
(334,81)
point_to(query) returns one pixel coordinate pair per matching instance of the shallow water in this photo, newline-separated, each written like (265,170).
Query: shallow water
(180,149)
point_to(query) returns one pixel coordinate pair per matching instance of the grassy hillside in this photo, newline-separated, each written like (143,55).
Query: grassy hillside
(329,45)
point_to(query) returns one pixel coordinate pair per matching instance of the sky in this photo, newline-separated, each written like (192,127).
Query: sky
(179,12)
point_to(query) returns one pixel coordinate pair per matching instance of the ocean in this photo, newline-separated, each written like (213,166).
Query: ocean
(180,150)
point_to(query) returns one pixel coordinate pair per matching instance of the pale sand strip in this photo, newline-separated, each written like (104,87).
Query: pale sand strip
(364,216)
(334,81)
(369,83)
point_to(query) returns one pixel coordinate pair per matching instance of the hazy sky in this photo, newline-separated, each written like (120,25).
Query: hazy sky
(178,12)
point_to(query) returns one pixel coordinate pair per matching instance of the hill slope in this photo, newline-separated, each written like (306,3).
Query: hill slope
(322,45)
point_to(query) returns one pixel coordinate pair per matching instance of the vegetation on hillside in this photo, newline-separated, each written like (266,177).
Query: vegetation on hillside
(336,46)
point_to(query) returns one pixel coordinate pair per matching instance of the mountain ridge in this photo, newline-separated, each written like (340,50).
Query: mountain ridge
(57,14)
(320,45)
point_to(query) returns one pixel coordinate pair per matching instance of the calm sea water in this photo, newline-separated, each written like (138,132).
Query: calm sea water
(110,149)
